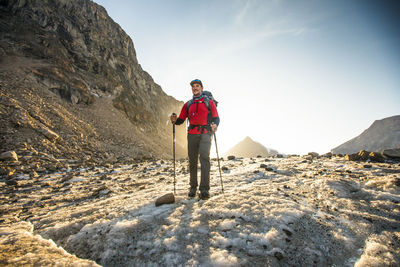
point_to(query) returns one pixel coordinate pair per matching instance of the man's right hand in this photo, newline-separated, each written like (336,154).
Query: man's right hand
(173,118)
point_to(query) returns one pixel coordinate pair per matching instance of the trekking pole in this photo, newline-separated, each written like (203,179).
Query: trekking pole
(173,136)
(219,165)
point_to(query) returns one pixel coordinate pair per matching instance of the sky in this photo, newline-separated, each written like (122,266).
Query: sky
(296,76)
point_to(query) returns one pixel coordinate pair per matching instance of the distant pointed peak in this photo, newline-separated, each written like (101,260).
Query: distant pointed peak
(247,139)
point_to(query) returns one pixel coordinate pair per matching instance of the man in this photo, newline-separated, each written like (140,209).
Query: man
(202,114)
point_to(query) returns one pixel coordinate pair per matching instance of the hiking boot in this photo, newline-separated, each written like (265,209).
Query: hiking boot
(192,192)
(204,195)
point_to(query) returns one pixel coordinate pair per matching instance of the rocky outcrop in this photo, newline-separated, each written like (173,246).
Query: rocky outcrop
(366,156)
(382,134)
(71,86)
(391,153)
(249,148)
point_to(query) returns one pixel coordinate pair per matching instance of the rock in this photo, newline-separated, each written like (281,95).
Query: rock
(391,153)
(352,157)
(278,255)
(165,199)
(375,156)
(367,166)
(111,159)
(231,157)
(33,174)
(9,155)
(313,154)
(41,169)
(104,192)
(224,168)
(308,157)
(11,182)
(287,232)
(327,155)
(279,156)
(3,171)
(364,155)
(2,53)
(262,165)
(101,191)
(52,136)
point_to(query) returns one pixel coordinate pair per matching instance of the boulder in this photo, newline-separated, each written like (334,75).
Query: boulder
(231,157)
(9,155)
(11,182)
(352,157)
(308,157)
(377,157)
(165,199)
(313,154)
(327,155)
(391,153)
(364,155)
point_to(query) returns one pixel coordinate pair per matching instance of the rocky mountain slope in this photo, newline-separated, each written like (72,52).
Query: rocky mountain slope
(71,89)
(382,134)
(294,211)
(249,148)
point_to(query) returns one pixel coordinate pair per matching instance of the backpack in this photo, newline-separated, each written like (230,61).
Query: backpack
(207,96)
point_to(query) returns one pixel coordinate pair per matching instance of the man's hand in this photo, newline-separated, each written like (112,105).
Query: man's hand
(214,127)
(173,118)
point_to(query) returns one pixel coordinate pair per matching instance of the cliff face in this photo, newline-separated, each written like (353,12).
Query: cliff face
(67,68)
(382,134)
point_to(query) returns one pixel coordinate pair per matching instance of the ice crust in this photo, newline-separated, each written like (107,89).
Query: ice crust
(299,214)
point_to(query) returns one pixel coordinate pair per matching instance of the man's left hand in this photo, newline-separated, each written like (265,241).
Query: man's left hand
(214,127)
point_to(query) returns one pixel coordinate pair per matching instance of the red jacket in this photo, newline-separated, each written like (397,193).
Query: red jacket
(198,113)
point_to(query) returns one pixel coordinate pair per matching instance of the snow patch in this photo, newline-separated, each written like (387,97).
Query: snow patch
(227,224)
(222,258)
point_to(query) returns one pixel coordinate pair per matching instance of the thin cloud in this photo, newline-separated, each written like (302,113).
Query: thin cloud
(240,17)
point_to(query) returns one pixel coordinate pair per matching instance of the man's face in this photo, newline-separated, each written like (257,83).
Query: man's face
(197,89)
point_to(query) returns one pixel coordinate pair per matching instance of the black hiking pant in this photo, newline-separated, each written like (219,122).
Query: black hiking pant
(199,144)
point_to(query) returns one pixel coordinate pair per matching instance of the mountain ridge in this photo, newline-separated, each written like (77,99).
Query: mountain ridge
(382,134)
(71,86)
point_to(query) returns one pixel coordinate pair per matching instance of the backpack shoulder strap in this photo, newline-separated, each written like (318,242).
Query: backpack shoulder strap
(188,105)
(207,103)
